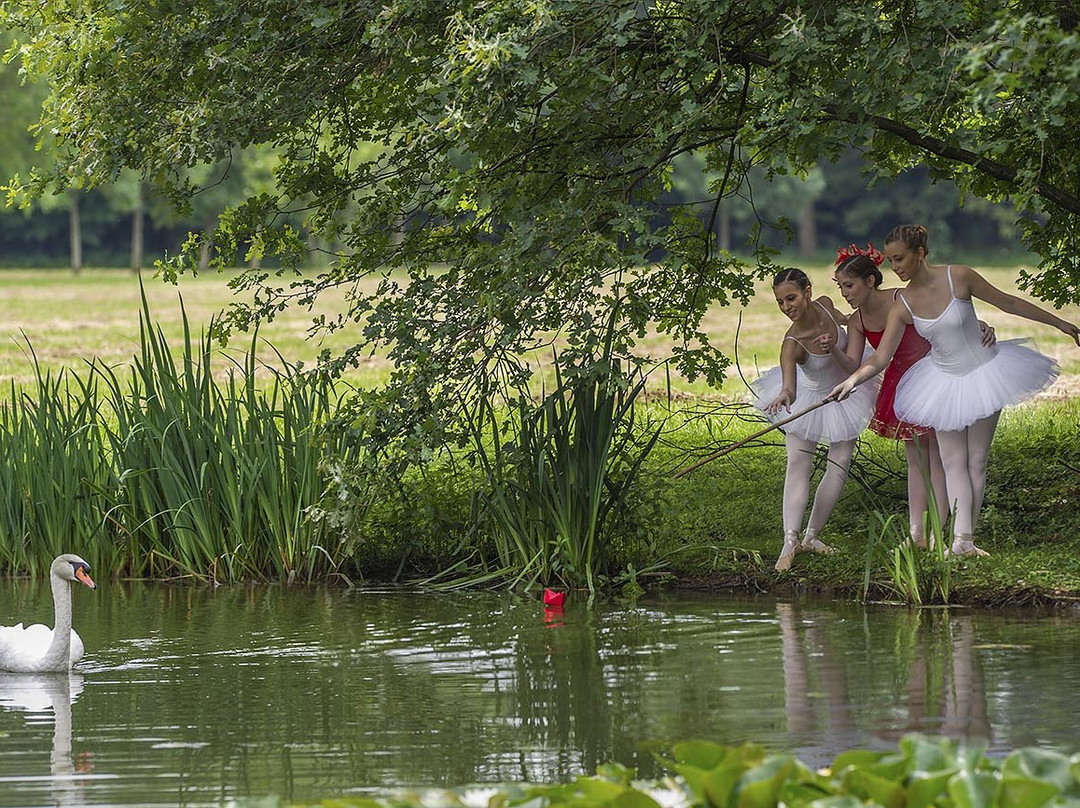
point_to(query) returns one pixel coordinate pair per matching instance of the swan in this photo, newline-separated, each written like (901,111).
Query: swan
(38,648)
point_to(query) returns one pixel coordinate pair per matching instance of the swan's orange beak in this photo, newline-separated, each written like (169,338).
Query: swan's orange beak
(84,577)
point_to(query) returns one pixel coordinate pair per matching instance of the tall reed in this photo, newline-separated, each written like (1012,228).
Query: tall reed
(916,575)
(54,471)
(556,486)
(158,469)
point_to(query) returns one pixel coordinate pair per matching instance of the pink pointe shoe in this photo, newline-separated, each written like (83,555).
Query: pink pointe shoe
(812,544)
(964,547)
(791,549)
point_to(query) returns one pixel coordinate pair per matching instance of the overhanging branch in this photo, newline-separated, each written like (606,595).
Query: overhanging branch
(992,168)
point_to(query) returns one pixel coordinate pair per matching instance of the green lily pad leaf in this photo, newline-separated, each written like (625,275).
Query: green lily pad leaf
(760,787)
(702,754)
(1041,764)
(870,786)
(924,788)
(855,759)
(694,778)
(719,784)
(974,789)
(1026,792)
(926,755)
(632,798)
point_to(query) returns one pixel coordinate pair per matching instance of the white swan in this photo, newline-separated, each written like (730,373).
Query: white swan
(38,648)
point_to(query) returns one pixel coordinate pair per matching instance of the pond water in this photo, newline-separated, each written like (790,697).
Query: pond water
(194,696)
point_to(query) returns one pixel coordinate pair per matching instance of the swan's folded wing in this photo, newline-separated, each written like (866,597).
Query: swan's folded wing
(28,639)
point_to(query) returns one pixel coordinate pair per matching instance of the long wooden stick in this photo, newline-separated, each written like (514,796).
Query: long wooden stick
(749,438)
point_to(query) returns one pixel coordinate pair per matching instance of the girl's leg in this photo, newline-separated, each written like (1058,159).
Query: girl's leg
(937,480)
(956,450)
(918,480)
(954,459)
(800,461)
(925,475)
(980,436)
(828,493)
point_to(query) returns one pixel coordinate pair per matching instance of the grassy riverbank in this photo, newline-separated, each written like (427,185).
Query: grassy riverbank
(719,527)
(1030,524)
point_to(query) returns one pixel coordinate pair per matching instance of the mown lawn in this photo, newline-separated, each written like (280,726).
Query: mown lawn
(68,319)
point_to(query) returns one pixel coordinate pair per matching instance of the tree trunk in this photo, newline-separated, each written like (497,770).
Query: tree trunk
(205,247)
(808,241)
(723,236)
(75,234)
(138,221)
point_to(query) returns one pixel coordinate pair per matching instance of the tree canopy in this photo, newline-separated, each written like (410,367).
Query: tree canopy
(500,164)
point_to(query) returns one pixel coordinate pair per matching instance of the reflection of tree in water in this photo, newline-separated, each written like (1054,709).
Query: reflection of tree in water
(561,695)
(940,687)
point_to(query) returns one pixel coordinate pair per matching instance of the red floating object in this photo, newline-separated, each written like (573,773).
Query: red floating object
(554,616)
(553,599)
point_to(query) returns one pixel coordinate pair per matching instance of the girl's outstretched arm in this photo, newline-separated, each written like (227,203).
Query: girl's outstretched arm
(898,318)
(976,285)
(790,351)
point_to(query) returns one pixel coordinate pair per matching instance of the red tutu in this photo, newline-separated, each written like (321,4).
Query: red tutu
(911,349)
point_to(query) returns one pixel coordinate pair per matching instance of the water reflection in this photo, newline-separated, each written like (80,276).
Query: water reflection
(946,688)
(191,696)
(934,656)
(816,697)
(39,696)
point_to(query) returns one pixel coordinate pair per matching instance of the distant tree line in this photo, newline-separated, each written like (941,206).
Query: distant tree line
(127,223)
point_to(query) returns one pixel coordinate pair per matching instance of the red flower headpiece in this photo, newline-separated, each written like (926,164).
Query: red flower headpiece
(850,251)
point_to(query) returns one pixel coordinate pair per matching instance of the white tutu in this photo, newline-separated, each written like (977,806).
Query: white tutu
(836,421)
(929,396)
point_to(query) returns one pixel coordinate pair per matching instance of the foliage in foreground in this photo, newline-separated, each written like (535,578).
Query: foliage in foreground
(921,773)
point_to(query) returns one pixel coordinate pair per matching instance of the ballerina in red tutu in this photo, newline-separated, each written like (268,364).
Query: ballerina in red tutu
(960,387)
(859,278)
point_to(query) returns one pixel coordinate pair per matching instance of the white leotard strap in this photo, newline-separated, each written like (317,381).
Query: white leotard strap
(798,342)
(830,317)
(948,272)
(904,301)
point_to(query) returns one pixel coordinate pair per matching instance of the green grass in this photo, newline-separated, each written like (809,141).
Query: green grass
(719,526)
(69,319)
(95,315)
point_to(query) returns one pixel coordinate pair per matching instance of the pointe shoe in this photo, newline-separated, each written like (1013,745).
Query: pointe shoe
(812,544)
(964,547)
(788,553)
(917,541)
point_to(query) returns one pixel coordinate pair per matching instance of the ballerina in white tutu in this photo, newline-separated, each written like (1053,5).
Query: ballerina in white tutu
(961,386)
(860,279)
(812,361)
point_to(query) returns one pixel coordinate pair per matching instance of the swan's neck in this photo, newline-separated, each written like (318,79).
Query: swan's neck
(58,657)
